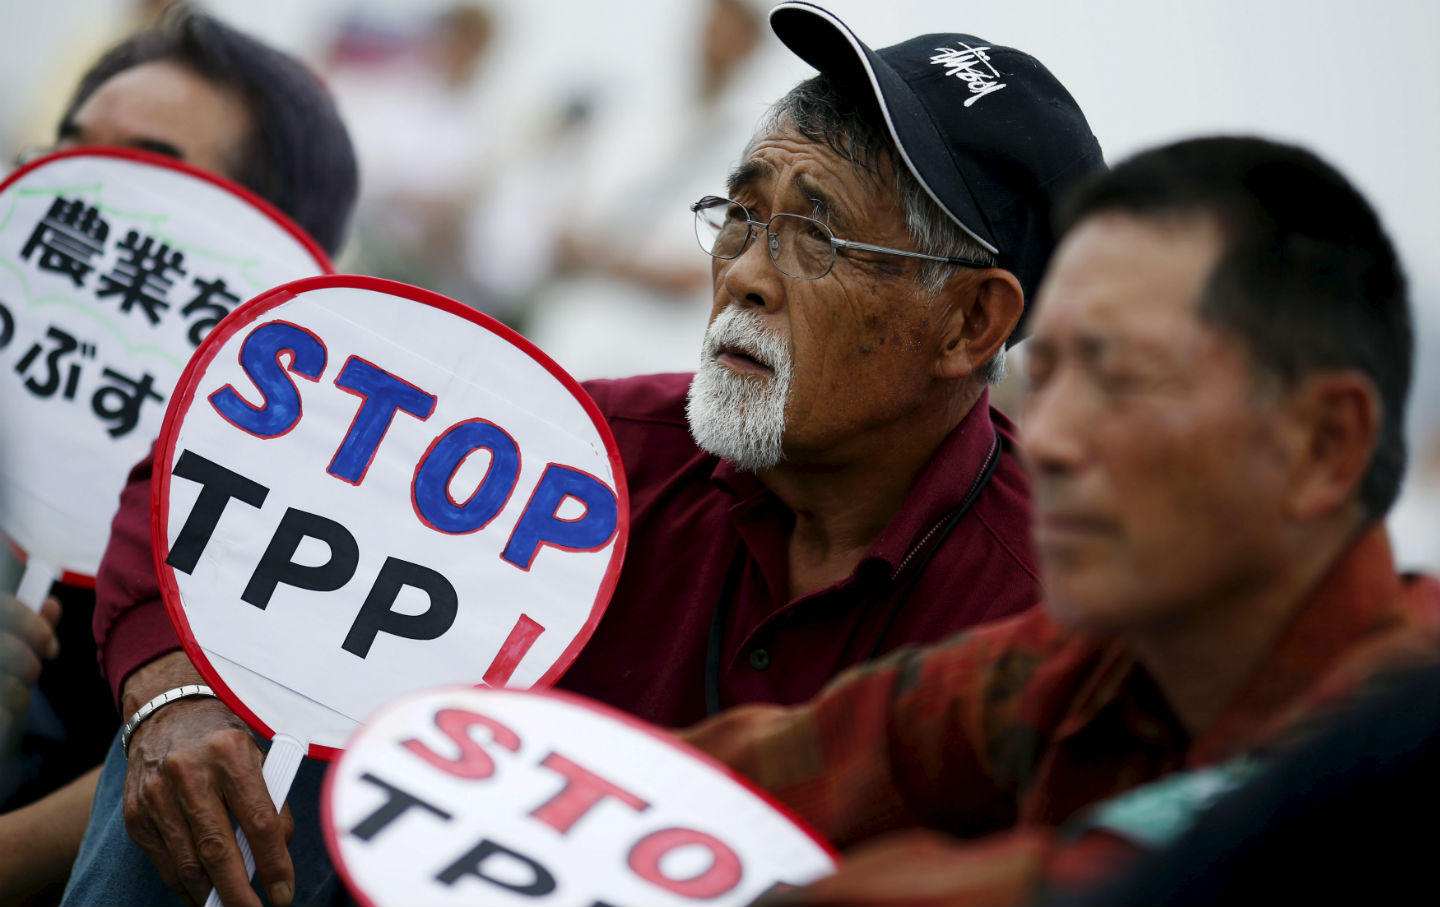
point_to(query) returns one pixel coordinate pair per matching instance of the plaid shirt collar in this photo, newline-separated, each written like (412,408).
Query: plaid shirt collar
(1359,597)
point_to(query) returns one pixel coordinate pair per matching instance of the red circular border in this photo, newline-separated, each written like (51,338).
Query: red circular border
(327,787)
(242,317)
(169,163)
(281,219)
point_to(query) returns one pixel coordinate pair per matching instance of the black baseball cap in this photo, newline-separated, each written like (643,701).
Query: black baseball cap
(989,133)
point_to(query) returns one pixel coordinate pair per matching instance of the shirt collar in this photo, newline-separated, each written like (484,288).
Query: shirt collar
(1358,598)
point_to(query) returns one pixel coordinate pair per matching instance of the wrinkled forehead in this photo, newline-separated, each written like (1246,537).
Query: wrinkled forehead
(869,159)
(167,107)
(797,170)
(1124,277)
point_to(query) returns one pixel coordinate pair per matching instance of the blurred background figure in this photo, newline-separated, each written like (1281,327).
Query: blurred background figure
(414,89)
(513,236)
(1415,522)
(87,38)
(628,292)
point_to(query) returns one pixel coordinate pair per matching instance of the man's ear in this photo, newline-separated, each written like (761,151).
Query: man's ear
(978,322)
(1336,418)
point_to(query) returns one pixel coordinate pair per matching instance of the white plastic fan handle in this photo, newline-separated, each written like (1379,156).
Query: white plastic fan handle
(35,583)
(281,764)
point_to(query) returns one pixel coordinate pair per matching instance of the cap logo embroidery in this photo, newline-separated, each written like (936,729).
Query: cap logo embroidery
(970,65)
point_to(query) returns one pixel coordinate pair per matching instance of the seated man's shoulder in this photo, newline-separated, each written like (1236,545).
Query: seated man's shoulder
(646,415)
(657,399)
(1407,636)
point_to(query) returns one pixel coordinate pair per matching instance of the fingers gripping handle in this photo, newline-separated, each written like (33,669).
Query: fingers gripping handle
(281,764)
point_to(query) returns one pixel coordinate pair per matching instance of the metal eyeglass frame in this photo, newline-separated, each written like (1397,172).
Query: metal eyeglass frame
(773,240)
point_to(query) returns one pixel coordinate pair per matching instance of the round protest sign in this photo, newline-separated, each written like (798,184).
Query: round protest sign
(364,489)
(114,265)
(466,796)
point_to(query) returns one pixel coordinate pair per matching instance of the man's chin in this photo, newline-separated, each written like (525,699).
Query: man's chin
(735,436)
(740,418)
(1091,609)
(746,454)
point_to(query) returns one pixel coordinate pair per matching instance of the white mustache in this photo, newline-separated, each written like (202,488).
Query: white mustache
(741,329)
(741,417)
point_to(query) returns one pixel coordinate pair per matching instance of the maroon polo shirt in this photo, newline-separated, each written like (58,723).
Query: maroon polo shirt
(694,520)
(130,623)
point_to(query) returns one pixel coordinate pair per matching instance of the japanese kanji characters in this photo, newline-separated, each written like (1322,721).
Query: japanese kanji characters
(68,237)
(56,364)
(141,276)
(71,240)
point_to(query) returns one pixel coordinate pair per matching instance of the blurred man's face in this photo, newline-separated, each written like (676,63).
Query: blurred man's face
(1156,456)
(165,108)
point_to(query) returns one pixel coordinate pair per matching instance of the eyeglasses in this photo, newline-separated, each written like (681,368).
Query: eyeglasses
(800,246)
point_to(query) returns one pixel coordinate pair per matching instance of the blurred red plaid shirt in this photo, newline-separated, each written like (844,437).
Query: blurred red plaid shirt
(1021,725)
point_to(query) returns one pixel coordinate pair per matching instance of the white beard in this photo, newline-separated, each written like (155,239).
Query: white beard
(740,417)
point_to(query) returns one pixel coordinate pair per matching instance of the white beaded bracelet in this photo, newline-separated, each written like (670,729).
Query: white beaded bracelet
(149,708)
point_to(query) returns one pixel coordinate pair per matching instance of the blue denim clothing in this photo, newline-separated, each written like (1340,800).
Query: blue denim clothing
(111,869)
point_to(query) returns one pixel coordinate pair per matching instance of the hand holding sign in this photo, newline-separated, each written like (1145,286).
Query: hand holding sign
(187,765)
(464,796)
(27,639)
(365,489)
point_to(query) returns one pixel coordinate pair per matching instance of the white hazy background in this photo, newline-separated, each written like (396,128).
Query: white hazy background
(1357,83)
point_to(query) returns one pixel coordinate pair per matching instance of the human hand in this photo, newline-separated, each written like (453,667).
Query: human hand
(27,639)
(191,765)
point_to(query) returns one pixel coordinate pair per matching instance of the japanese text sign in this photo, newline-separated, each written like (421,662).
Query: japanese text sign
(114,265)
(364,489)
(472,796)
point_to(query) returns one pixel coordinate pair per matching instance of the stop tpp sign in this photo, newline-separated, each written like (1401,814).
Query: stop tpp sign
(470,796)
(365,489)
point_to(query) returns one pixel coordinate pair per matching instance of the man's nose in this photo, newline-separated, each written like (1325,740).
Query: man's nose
(752,278)
(1053,427)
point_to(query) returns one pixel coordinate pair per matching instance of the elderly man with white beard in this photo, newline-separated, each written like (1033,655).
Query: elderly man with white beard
(833,482)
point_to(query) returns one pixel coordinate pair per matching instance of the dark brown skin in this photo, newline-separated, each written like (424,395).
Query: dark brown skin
(192,765)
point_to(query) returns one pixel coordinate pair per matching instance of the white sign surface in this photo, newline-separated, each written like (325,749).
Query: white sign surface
(465,796)
(114,265)
(365,489)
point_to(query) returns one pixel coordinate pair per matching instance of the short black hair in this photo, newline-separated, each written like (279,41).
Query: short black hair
(298,155)
(1308,278)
